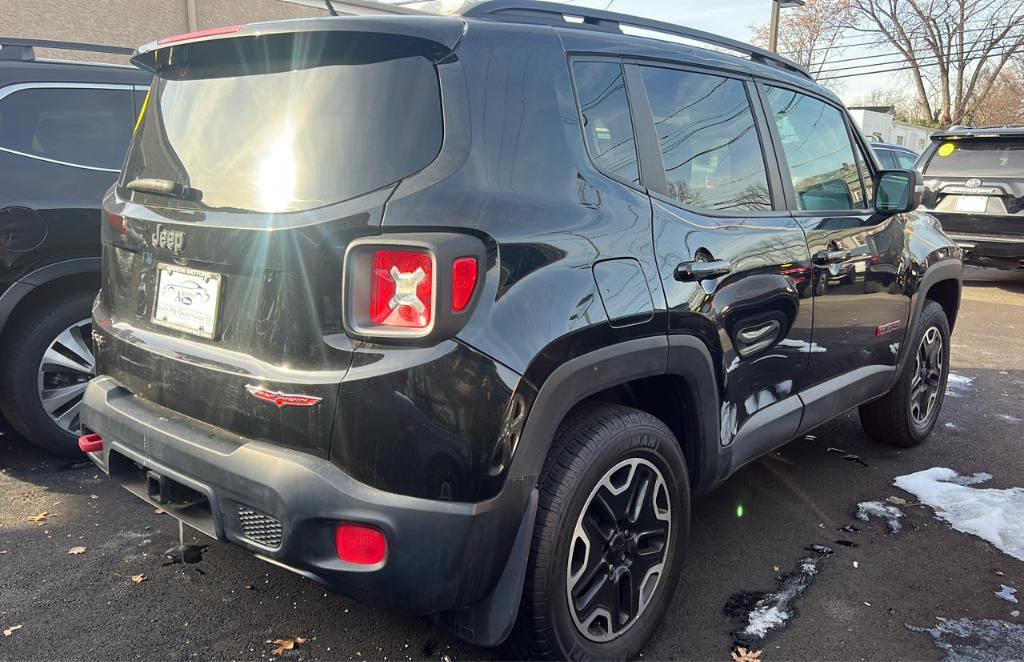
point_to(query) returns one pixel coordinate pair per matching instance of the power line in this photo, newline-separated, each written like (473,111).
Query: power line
(887,54)
(886,71)
(874,42)
(932,60)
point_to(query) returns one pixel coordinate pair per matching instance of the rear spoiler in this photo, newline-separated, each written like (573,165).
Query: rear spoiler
(444,30)
(979,132)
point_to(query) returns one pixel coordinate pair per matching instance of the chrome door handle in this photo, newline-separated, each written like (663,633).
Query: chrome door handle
(688,272)
(830,257)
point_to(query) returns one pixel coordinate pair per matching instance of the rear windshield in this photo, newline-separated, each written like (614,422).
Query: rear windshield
(977,158)
(285,123)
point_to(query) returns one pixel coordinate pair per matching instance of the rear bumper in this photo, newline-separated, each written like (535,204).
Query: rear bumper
(990,250)
(440,555)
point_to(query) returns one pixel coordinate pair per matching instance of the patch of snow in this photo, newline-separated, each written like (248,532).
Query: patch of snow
(1015,613)
(773,610)
(987,640)
(973,479)
(993,515)
(891,514)
(1006,593)
(958,380)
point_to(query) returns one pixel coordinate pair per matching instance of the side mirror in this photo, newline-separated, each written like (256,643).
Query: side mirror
(898,191)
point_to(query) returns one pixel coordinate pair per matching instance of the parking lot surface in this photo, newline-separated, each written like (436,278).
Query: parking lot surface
(864,602)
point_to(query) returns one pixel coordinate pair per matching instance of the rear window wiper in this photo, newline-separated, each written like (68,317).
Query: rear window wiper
(165,187)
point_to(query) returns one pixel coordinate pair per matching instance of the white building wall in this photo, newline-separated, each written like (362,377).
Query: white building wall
(883,127)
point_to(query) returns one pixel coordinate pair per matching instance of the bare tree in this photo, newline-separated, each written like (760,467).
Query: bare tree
(1004,103)
(956,50)
(901,103)
(812,34)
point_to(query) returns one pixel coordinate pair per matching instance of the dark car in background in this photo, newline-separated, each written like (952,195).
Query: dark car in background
(894,156)
(64,129)
(974,180)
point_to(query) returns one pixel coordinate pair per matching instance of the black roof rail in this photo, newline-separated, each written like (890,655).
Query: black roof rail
(16,48)
(554,13)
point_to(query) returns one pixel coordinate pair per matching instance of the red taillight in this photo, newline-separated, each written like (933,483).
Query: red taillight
(402,291)
(227,29)
(463,282)
(118,224)
(90,443)
(358,543)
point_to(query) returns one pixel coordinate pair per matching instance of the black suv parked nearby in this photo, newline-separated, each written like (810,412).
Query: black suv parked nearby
(454,314)
(64,130)
(975,187)
(894,156)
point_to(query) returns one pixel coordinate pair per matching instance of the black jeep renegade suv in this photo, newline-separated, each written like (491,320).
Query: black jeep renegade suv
(453,314)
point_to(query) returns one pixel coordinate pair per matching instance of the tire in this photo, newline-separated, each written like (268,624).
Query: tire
(897,418)
(22,381)
(597,449)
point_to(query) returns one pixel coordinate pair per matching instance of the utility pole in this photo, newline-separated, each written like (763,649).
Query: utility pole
(773,29)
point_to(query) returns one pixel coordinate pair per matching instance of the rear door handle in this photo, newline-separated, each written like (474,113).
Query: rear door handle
(822,258)
(688,272)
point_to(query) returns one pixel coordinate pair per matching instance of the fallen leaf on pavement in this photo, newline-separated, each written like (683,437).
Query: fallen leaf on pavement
(138,579)
(741,654)
(282,645)
(9,631)
(158,512)
(41,517)
(77,550)
(896,501)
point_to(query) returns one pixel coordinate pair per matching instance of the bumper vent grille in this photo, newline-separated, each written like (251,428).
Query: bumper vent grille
(260,527)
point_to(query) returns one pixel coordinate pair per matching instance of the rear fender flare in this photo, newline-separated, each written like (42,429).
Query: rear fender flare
(18,291)
(951,269)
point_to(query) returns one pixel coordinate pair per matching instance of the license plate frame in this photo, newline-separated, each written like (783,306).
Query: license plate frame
(977,204)
(187,300)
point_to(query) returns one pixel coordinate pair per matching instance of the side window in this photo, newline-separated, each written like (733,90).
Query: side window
(80,126)
(708,141)
(865,174)
(905,160)
(607,126)
(886,158)
(818,150)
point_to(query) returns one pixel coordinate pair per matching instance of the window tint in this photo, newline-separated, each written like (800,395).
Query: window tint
(79,126)
(707,138)
(905,160)
(607,127)
(981,157)
(885,157)
(818,150)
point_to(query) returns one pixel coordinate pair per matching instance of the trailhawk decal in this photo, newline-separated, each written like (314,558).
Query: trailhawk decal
(888,327)
(282,399)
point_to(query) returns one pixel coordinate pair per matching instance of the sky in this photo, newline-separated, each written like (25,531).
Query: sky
(733,18)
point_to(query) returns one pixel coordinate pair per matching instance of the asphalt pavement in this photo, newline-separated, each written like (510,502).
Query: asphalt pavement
(863,603)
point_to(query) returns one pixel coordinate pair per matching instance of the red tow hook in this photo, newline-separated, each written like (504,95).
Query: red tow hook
(90,443)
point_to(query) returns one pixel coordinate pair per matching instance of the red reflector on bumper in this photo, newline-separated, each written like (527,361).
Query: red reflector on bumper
(358,543)
(90,443)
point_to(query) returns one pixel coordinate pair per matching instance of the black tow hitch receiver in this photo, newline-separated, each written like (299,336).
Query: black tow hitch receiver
(165,491)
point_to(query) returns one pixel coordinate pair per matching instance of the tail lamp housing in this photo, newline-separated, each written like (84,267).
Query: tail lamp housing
(411,287)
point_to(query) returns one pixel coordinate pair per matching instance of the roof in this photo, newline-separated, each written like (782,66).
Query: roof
(898,148)
(978,132)
(447,30)
(886,110)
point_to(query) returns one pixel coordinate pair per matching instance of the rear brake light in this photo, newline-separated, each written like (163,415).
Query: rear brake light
(402,289)
(463,282)
(118,224)
(361,544)
(199,33)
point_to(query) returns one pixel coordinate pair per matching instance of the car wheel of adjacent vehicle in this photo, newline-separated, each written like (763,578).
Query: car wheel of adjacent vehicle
(607,548)
(48,364)
(906,415)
